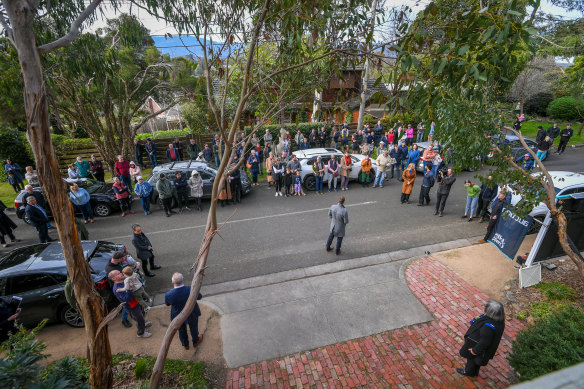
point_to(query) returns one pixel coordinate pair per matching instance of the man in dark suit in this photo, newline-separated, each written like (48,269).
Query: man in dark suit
(339,219)
(177,298)
(38,217)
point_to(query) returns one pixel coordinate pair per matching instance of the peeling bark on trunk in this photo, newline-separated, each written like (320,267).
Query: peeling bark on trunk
(22,15)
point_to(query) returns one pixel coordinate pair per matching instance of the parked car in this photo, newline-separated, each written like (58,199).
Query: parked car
(308,157)
(207,172)
(102,198)
(565,183)
(38,273)
(516,148)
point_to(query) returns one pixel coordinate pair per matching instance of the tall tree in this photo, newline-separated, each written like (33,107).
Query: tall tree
(103,81)
(298,29)
(470,55)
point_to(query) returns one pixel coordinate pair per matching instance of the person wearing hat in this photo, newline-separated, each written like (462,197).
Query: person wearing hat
(150,148)
(526,162)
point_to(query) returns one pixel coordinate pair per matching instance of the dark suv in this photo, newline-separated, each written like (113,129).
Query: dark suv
(186,168)
(102,198)
(38,274)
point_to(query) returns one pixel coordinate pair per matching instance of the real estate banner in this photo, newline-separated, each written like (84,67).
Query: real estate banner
(509,231)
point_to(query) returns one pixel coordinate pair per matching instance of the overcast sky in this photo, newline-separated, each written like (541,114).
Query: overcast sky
(159,27)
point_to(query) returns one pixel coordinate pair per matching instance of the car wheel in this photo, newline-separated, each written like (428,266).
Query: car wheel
(102,210)
(71,316)
(535,226)
(310,183)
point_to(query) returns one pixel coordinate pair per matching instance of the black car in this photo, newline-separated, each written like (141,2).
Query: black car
(38,274)
(102,198)
(207,172)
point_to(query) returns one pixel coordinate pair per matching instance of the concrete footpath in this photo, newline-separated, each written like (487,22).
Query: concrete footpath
(279,314)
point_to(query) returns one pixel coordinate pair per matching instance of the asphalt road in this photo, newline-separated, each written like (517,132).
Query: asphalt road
(268,234)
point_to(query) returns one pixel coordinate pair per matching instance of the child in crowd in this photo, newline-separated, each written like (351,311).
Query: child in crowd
(132,282)
(14,182)
(129,261)
(288,179)
(297,184)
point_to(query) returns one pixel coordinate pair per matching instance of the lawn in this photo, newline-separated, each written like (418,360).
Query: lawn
(529,129)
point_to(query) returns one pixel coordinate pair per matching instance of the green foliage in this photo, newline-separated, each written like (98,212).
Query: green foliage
(566,108)
(11,99)
(555,342)
(369,119)
(14,145)
(141,365)
(65,144)
(74,370)
(165,134)
(556,291)
(406,117)
(20,367)
(537,104)
(198,116)
(349,117)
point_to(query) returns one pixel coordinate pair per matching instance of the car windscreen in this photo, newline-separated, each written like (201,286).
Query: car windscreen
(21,255)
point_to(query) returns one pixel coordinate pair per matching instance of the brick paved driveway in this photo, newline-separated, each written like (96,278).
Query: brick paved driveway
(417,356)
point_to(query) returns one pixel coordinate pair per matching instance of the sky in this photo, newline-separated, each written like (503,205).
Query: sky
(158,28)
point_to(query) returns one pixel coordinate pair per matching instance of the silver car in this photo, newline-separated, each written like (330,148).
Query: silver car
(308,157)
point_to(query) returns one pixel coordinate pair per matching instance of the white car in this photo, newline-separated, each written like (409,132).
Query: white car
(308,157)
(565,183)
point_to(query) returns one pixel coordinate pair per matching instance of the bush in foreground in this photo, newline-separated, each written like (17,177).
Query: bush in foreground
(553,343)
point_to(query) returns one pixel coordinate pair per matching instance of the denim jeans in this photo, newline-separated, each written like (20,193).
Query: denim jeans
(153,160)
(379,177)
(318,183)
(145,203)
(127,180)
(86,211)
(434,170)
(330,181)
(124,313)
(471,206)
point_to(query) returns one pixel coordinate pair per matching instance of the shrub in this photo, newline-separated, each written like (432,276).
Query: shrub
(141,365)
(406,117)
(14,145)
(165,134)
(349,117)
(566,108)
(64,144)
(552,344)
(537,104)
(556,291)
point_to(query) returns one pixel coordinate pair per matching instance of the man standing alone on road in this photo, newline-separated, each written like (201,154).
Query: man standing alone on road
(339,219)
(144,250)
(177,299)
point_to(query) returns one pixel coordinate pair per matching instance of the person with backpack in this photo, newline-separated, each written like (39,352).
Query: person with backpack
(345,136)
(427,184)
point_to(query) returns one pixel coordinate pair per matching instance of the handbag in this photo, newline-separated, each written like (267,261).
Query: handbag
(248,165)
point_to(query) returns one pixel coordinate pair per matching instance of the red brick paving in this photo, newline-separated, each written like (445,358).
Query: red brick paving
(418,356)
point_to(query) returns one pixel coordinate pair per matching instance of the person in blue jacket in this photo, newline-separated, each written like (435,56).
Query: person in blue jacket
(254,161)
(150,148)
(14,168)
(177,299)
(414,155)
(526,162)
(80,197)
(144,190)
(207,153)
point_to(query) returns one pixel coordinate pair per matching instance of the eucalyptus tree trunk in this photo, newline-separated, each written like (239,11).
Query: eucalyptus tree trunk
(366,73)
(22,14)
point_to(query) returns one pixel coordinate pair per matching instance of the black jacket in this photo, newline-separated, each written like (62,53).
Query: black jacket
(445,183)
(484,336)
(39,198)
(35,215)
(288,179)
(497,208)
(541,134)
(543,145)
(488,192)
(141,243)
(553,132)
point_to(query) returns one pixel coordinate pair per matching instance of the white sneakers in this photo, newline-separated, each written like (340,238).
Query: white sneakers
(146,334)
